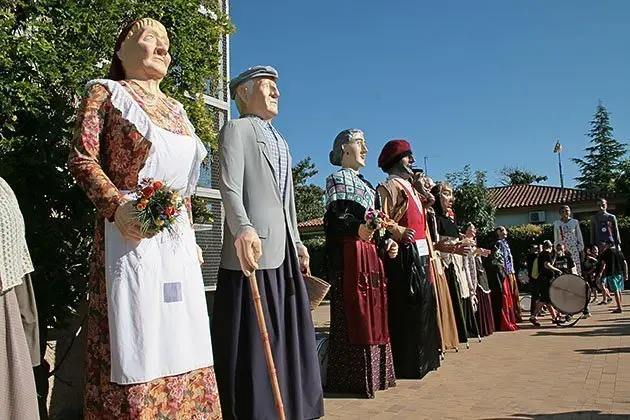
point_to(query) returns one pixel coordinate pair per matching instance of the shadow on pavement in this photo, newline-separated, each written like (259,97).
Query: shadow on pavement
(593,331)
(592,414)
(625,319)
(612,350)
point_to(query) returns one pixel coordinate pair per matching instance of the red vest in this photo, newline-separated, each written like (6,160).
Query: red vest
(414,216)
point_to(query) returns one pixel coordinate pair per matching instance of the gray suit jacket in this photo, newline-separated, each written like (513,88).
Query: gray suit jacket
(250,194)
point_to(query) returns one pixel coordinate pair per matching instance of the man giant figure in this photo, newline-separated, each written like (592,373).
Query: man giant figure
(413,324)
(261,236)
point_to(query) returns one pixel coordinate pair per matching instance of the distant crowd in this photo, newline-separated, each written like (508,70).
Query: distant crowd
(601,264)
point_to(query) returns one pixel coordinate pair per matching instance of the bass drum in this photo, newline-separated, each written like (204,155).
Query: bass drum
(569,293)
(322,354)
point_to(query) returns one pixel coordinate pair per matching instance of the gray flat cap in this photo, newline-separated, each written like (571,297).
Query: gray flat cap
(251,73)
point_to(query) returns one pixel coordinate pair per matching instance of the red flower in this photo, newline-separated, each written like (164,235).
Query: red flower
(147,192)
(170,210)
(157,185)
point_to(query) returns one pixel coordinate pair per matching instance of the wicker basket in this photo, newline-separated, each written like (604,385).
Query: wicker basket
(316,289)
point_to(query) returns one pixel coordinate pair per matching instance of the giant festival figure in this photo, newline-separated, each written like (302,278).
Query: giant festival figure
(261,237)
(19,329)
(567,231)
(360,355)
(452,250)
(413,314)
(148,346)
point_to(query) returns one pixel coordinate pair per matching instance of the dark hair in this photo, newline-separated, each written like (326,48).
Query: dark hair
(497,231)
(437,206)
(465,226)
(116,70)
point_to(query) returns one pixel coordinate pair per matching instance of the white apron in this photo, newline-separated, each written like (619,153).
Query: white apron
(158,318)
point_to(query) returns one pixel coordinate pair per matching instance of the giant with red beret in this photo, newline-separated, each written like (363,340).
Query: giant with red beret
(392,152)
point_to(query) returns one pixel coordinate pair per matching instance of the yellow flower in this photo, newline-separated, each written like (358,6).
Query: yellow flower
(159,222)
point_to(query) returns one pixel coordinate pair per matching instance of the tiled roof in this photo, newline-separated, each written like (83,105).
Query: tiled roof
(516,196)
(312,224)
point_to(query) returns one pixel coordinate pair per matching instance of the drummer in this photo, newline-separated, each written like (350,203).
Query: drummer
(547,273)
(564,260)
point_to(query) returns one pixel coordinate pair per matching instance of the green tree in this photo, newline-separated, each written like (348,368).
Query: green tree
(50,49)
(472,201)
(622,183)
(601,164)
(309,198)
(517,176)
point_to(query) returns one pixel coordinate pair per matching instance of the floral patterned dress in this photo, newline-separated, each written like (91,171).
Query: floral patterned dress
(106,157)
(569,234)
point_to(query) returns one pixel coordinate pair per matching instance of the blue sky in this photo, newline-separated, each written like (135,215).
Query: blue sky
(485,83)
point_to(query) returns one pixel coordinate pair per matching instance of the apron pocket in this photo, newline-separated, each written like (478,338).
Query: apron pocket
(172,292)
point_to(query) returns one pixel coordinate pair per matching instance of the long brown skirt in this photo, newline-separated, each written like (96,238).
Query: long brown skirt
(18,397)
(446,316)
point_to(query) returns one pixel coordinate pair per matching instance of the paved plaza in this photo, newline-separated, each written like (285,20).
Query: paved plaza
(581,372)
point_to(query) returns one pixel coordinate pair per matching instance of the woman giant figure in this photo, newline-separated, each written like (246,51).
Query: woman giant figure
(148,335)
(19,332)
(452,251)
(360,355)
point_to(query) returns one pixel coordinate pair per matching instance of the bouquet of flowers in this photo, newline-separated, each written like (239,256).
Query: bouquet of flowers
(157,206)
(376,220)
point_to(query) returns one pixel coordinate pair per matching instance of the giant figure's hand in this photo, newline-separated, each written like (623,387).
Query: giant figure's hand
(392,249)
(305,259)
(127,222)
(199,255)
(484,252)
(463,249)
(248,251)
(365,233)
(409,236)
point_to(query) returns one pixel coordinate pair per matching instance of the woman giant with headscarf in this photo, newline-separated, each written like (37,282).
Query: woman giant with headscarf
(360,355)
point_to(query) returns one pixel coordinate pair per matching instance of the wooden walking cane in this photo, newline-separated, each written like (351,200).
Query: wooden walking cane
(271,366)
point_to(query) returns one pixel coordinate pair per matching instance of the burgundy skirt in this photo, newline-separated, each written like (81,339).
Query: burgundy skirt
(364,293)
(485,317)
(359,353)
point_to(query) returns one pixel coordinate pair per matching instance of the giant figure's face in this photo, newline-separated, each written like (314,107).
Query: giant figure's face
(354,152)
(565,212)
(471,231)
(144,55)
(260,97)
(447,198)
